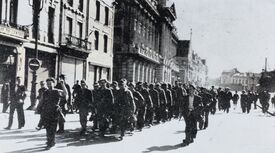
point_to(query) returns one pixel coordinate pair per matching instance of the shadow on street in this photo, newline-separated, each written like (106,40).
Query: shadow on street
(163,148)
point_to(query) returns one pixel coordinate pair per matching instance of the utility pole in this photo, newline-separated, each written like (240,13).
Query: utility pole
(34,64)
(265,69)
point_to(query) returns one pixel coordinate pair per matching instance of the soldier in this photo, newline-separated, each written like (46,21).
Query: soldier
(163,102)
(243,101)
(207,102)
(220,98)
(169,97)
(226,99)
(250,98)
(84,101)
(264,97)
(42,89)
(51,110)
(192,105)
(149,114)
(76,90)
(255,99)
(155,98)
(18,96)
(114,117)
(104,106)
(94,116)
(181,99)
(173,104)
(126,106)
(140,104)
(5,97)
(63,101)
(214,100)
(235,99)
(142,108)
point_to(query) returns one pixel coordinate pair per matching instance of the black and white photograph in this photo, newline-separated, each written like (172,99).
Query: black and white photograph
(137,76)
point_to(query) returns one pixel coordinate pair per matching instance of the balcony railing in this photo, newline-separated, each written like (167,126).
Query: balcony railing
(72,41)
(12,29)
(147,53)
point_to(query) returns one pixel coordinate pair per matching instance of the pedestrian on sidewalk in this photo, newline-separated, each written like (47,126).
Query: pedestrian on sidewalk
(18,96)
(50,112)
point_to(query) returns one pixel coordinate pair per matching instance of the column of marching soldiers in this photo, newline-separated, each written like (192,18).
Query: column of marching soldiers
(124,106)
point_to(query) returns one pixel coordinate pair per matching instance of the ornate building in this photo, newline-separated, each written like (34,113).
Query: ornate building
(144,40)
(239,81)
(192,67)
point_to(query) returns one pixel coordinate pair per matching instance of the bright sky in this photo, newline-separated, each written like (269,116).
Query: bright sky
(229,33)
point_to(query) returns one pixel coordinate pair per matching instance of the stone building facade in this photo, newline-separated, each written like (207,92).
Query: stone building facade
(65,43)
(100,33)
(239,81)
(143,45)
(193,69)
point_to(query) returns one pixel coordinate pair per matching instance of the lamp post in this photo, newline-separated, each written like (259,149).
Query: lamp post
(34,64)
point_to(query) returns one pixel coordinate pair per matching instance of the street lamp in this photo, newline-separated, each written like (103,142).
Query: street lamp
(34,64)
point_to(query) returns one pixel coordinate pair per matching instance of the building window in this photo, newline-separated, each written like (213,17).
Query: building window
(97,10)
(51,25)
(79,30)
(1,11)
(13,12)
(80,5)
(105,43)
(96,40)
(106,16)
(70,2)
(69,29)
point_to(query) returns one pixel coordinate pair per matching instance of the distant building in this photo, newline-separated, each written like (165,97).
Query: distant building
(239,81)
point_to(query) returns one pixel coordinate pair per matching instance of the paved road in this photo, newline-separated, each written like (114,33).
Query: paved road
(228,133)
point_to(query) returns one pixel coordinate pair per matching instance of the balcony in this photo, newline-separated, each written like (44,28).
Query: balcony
(76,43)
(13,30)
(147,53)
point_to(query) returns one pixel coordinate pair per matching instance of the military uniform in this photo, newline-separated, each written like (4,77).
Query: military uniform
(50,113)
(125,108)
(140,104)
(62,104)
(84,100)
(155,99)
(163,102)
(244,99)
(104,108)
(169,98)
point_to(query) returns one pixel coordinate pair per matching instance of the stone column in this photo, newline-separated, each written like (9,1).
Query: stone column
(141,72)
(131,70)
(145,72)
(137,71)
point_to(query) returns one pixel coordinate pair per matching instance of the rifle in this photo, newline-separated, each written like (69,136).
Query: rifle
(272,114)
